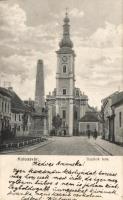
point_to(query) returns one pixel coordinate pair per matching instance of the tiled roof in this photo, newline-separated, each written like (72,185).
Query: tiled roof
(118,98)
(4,92)
(17,104)
(89,117)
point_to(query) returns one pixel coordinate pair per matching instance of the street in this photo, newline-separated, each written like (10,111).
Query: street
(63,146)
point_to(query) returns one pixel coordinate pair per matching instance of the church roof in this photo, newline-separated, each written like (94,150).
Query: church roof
(89,117)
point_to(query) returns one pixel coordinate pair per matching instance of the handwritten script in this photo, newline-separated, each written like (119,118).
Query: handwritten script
(61,181)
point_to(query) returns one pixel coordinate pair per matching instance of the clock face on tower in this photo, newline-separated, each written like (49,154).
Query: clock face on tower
(64,58)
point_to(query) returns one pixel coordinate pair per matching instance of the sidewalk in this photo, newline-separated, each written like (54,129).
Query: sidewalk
(111,148)
(27,149)
(19,143)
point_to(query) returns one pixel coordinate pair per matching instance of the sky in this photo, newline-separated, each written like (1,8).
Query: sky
(31,30)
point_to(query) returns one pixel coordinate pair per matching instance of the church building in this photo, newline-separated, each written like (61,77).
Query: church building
(66,100)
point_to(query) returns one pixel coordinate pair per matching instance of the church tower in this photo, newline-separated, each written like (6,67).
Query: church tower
(65,79)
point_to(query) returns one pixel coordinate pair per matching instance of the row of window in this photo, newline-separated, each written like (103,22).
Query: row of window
(19,128)
(5,107)
(19,117)
(65,92)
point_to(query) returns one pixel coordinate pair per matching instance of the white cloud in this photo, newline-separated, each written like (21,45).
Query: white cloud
(99,61)
(76,13)
(13,22)
(13,18)
(109,36)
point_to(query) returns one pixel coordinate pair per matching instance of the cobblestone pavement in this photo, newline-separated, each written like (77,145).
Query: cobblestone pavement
(64,146)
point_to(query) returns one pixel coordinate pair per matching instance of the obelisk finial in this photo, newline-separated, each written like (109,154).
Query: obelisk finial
(66,11)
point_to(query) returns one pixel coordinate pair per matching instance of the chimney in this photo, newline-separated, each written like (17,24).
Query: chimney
(10,89)
(39,88)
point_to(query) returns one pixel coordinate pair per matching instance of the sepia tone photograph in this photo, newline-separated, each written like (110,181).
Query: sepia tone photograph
(61,77)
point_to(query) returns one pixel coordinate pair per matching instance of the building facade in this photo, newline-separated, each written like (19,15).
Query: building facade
(5,111)
(66,100)
(107,118)
(90,121)
(117,108)
(112,112)
(118,123)
(20,116)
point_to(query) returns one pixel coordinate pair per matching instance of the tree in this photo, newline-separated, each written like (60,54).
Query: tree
(25,120)
(57,122)
(5,129)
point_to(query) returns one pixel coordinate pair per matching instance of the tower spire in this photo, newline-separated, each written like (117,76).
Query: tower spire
(66,41)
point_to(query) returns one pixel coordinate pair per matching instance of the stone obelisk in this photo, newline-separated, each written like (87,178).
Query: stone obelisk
(39,89)
(39,118)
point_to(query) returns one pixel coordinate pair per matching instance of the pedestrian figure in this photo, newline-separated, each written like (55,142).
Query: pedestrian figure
(88,133)
(95,134)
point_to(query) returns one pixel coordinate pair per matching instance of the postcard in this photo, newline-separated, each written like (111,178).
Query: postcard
(61,99)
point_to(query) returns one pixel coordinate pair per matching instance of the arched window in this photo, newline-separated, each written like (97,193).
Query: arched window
(120,119)
(64,114)
(64,68)
(88,126)
(75,115)
(77,93)
(64,91)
